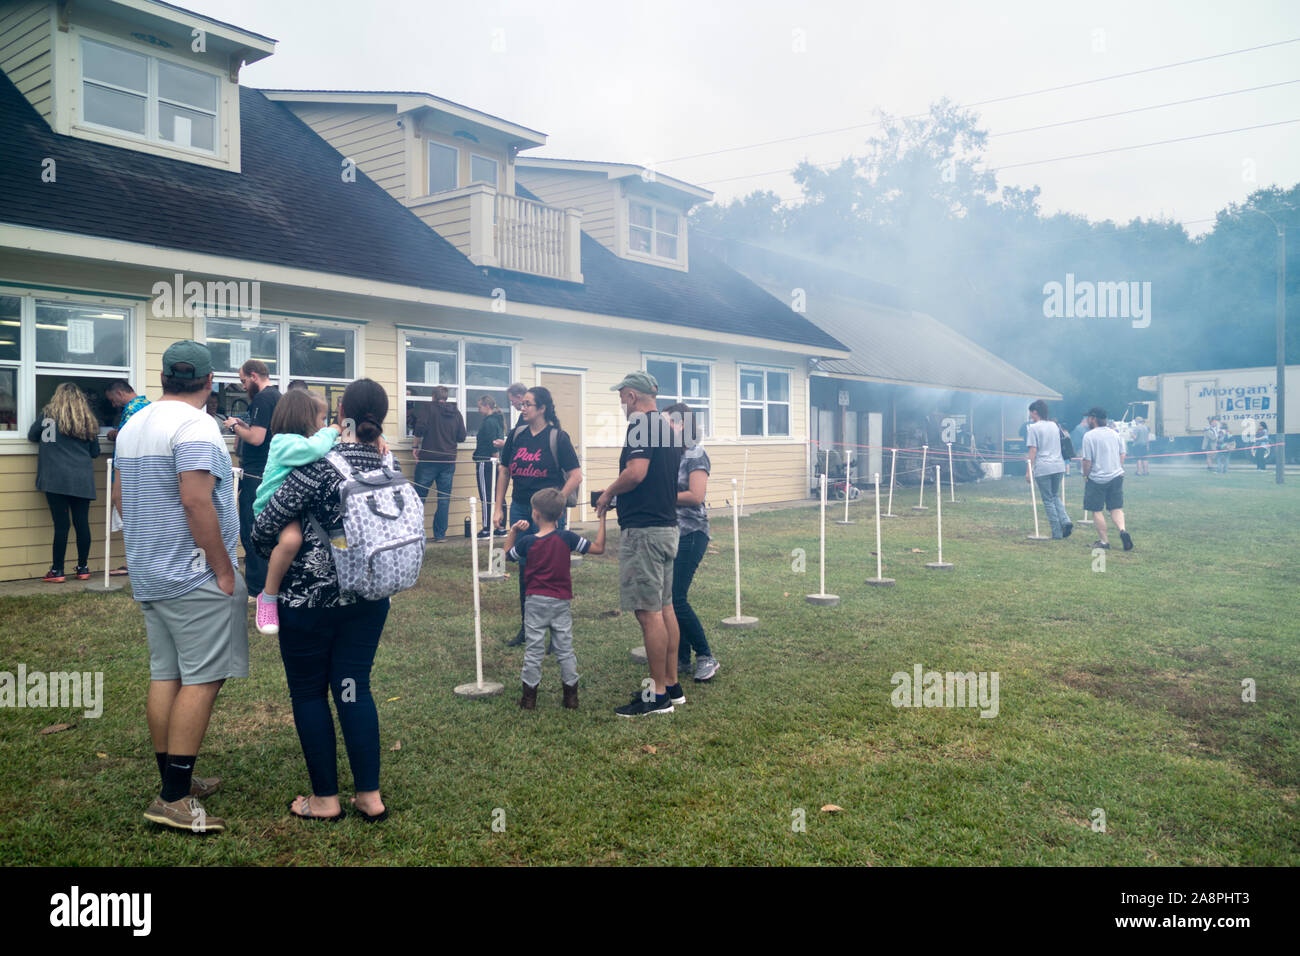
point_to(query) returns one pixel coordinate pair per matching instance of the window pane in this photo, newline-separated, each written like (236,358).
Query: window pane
(665,246)
(91,386)
(486,365)
(751,421)
(11,327)
(112,65)
(703,424)
(778,419)
(666,222)
(187,86)
(641,215)
(430,361)
(665,374)
(482,170)
(639,239)
(442,167)
(695,381)
(8,399)
(124,111)
(778,387)
(232,345)
(81,335)
(186,127)
(320,352)
(473,418)
(751,386)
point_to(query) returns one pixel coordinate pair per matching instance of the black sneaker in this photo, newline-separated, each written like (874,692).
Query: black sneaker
(676,694)
(1067,530)
(1127,539)
(484,533)
(517,640)
(642,708)
(1101,544)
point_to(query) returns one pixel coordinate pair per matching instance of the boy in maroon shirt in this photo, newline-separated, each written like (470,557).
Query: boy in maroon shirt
(548,589)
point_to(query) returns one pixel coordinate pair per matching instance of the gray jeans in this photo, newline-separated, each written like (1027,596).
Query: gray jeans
(541,612)
(1049,486)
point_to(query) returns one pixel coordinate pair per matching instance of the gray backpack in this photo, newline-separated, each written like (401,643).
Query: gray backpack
(382,548)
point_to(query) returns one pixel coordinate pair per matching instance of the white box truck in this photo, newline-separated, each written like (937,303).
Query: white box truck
(1186,401)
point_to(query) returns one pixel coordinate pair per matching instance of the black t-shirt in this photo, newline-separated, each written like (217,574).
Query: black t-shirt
(253,457)
(652,503)
(532,468)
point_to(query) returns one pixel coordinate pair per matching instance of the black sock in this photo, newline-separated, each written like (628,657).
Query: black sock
(177,777)
(162,764)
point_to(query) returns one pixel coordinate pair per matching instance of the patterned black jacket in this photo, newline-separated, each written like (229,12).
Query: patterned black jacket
(311,580)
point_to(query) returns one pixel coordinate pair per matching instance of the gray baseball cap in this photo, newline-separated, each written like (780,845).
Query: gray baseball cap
(643,382)
(187,352)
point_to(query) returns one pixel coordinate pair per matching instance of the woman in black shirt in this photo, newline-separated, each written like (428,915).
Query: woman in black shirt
(491,428)
(68,433)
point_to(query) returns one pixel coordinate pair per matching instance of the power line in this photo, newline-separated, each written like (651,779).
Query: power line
(996,99)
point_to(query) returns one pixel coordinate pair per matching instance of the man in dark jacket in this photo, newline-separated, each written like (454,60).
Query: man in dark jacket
(437,433)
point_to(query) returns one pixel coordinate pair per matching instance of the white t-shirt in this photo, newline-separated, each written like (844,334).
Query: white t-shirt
(154,447)
(1046,437)
(1105,449)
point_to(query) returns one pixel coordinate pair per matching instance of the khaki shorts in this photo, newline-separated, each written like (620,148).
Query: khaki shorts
(199,637)
(645,568)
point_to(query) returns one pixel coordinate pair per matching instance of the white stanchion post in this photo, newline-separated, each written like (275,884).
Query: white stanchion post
(893,460)
(479,688)
(107,586)
(848,484)
(920,502)
(1033,501)
(878,581)
(491,574)
(941,564)
(744,477)
(821,598)
(739,620)
(952,478)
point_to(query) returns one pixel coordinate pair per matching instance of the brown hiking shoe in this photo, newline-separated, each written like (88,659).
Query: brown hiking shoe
(204,787)
(571,696)
(183,814)
(529,700)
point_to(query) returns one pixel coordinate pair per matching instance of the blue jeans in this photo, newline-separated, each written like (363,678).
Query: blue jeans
(524,512)
(1049,486)
(438,475)
(690,551)
(330,650)
(254,564)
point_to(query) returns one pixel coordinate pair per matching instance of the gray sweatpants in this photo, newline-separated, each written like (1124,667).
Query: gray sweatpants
(541,612)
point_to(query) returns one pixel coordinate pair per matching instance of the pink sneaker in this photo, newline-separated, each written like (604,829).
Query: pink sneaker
(268,615)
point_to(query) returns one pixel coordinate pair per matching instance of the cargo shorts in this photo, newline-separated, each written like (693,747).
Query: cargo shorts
(645,568)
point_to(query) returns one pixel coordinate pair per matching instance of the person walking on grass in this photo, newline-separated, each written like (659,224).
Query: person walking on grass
(1103,472)
(490,436)
(1210,442)
(1046,464)
(180,524)
(67,433)
(692,541)
(646,489)
(538,454)
(328,637)
(544,564)
(438,433)
(1141,447)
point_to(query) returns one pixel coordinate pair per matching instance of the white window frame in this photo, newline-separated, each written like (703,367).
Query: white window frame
(460,392)
(29,368)
(655,231)
(430,144)
(706,403)
(151,97)
(496,166)
(764,403)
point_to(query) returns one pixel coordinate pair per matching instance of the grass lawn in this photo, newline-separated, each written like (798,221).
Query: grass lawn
(1119,691)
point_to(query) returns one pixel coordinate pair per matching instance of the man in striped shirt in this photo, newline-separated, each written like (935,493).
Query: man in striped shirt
(181,528)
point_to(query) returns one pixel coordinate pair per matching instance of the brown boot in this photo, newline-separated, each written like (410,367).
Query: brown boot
(571,696)
(529,700)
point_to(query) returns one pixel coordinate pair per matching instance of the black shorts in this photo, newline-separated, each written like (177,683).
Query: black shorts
(1139,451)
(1108,496)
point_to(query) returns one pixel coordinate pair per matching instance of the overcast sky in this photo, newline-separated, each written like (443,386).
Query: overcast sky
(642,82)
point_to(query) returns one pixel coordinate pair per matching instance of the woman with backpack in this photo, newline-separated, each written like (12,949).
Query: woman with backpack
(537,454)
(68,433)
(328,636)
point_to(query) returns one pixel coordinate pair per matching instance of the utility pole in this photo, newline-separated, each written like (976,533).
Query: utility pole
(1279,308)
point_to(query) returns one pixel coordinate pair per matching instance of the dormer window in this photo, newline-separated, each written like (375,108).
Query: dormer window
(653,231)
(147,97)
(443,163)
(482,169)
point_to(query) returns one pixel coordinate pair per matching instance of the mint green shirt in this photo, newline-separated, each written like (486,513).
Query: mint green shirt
(286,453)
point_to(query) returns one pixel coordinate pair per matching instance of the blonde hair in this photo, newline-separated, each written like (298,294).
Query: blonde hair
(71,412)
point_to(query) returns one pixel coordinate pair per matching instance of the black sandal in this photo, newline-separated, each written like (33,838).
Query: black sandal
(369,817)
(312,816)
